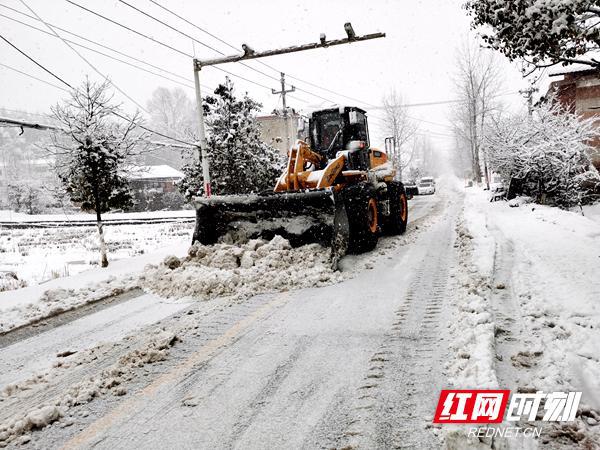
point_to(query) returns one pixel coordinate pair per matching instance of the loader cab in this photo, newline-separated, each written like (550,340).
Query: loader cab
(336,129)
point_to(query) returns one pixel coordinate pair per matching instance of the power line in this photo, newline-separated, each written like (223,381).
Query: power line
(163,44)
(206,45)
(214,37)
(135,8)
(35,78)
(20,111)
(114,113)
(107,55)
(35,62)
(130,29)
(442,102)
(84,58)
(154,40)
(85,39)
(261,62)
(213,49)
(194,25)
(233,47)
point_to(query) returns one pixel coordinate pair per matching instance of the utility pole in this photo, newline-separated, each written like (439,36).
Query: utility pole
(528,94)
(202,134)
(283,92)
(249,53)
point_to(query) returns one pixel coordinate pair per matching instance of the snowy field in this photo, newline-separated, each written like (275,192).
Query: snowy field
(15,217)
(30,256)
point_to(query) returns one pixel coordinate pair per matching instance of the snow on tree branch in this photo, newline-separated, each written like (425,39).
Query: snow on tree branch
(240,162)
(93,155)
(548,152)
(540,32)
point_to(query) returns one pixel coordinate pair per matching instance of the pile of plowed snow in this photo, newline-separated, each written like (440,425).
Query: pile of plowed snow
(241,270)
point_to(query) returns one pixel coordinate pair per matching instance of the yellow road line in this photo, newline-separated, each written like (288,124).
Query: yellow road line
(204,353)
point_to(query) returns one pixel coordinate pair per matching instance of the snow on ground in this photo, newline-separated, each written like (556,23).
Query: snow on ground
(241,270)
(11,216)
(107,325)
(26,305)
(228,271)
(550,257)
(35,255)
(556,275)
(235,271)
(591,212)
(473,326)
(151,346)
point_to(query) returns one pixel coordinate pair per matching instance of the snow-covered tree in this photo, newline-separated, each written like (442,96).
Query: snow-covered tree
(540,32)
(28,197)
(93,155)
(240,163)
(548,153)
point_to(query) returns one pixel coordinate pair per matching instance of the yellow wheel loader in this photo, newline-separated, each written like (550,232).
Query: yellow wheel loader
(335,190)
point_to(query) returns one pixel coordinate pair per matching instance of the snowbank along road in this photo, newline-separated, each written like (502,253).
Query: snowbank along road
(355,364)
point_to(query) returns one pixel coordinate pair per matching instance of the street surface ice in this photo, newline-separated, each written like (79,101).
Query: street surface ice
(471,296)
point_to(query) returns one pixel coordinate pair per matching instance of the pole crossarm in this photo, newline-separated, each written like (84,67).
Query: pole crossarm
(25,124)
(251,54)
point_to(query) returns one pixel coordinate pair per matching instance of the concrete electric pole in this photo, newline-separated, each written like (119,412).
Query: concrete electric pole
(249,53)
(283,92)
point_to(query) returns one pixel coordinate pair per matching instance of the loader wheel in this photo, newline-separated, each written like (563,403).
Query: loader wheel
(398,218)
(361,207)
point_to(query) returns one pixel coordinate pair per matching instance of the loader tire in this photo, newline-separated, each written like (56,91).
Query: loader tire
(398,218)
(363,221)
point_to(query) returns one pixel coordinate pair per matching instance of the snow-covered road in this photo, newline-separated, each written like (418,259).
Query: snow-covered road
(355,363)
(29,356)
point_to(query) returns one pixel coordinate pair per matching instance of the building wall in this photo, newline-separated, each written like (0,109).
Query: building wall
(579,93)
(158,184)
(273,131)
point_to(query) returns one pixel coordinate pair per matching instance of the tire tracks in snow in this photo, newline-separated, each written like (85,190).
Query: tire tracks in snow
(48,323)
(520,347)
(394,405)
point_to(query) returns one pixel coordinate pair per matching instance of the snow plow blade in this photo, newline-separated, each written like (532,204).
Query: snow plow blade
(301,217)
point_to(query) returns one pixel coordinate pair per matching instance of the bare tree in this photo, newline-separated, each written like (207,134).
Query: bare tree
(398,125)
(172,112)
(93,154)
(478,81)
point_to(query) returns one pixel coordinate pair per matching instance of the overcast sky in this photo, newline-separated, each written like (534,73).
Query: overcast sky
(417,57)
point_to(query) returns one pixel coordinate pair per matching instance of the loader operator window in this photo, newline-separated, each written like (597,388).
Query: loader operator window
(325,128)
(329,130)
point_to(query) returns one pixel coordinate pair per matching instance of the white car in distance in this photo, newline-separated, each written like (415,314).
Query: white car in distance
(426,186)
